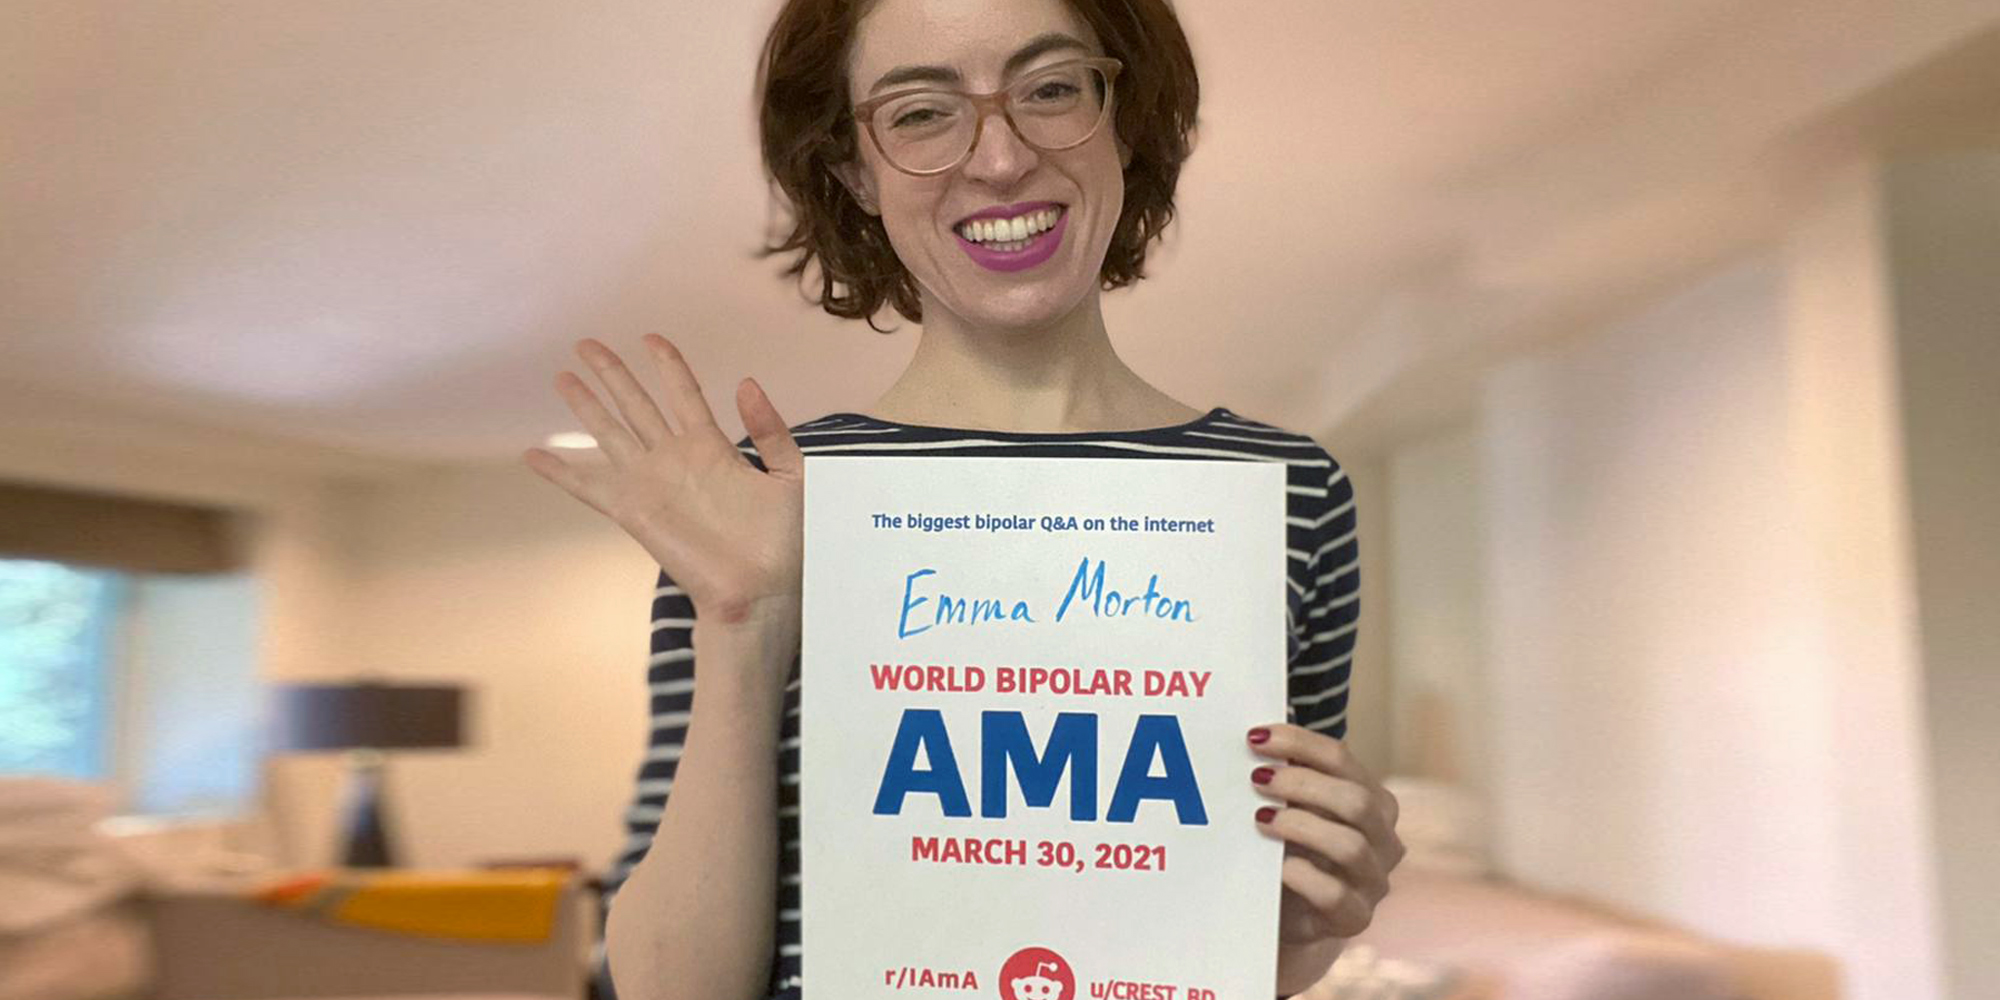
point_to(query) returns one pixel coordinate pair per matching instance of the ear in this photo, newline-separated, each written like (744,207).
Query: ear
(859,183)
(1124,151)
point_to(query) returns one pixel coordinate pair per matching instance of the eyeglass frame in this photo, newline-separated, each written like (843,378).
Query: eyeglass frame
(986,105)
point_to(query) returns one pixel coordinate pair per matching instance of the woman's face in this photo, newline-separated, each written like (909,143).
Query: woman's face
(924,215)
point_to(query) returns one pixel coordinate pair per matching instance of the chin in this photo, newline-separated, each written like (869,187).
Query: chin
(1027,307)
(1033,315)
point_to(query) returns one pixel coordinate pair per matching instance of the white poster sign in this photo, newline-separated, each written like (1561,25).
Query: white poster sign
(1024,692)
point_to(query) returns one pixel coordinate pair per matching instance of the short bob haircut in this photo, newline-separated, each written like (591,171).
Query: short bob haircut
(806,126)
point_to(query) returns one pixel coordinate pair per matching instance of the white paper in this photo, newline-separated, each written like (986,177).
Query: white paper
(1180,895)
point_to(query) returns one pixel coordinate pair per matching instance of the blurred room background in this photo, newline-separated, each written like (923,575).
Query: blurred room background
(1659,341)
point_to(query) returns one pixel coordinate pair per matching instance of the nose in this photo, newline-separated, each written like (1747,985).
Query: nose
(999,156)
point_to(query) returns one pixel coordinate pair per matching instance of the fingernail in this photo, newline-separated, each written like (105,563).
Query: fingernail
(1259,734)
(1266,814)
(1262,775)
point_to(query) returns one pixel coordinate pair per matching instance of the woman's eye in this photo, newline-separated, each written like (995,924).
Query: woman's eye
(1053,91)
(918,117)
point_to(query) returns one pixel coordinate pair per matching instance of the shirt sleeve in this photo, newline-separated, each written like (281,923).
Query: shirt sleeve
(670,684)
(670,689)
(1317,684)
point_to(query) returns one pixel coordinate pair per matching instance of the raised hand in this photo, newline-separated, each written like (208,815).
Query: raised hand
(729,535)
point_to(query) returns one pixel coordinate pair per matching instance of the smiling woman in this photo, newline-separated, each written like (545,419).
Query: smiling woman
(986,168)
(817,107)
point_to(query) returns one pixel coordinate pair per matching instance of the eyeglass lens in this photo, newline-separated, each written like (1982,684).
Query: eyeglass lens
(1055,109)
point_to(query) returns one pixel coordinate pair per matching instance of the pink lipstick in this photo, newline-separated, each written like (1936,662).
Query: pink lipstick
(1041,246)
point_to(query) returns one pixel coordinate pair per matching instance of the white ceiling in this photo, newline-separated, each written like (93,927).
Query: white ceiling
(378,225)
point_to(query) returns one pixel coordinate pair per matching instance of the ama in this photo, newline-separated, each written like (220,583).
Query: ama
(1004,746)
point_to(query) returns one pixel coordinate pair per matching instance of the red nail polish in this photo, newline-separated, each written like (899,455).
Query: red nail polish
(1266,814)
(1259,734)
(1262,775)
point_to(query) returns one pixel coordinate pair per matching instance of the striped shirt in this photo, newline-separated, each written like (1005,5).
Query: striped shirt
(1322,570)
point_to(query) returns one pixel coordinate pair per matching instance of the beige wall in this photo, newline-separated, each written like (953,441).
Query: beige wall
(1943,229)
(1371,733)
(1661,588)
(494,577)
(1436,616)
(1660,742)
(1848,450)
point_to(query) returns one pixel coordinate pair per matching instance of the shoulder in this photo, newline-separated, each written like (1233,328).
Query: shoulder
(1311,463)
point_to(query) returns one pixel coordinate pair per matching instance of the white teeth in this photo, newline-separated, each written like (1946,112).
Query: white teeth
(1009,230)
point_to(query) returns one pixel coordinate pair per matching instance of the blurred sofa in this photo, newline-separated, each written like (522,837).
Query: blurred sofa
(84,918)
(1449,930)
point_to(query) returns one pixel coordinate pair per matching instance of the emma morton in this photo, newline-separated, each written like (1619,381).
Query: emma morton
(1086,589)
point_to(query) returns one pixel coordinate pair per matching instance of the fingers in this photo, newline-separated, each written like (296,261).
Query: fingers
(645,427)
(1345,911)
(552,468)
(1302,745)
(683,392)
(768,431)
(1336,799)
(632,399)
(1357,798)
(1339,850)
(612,437)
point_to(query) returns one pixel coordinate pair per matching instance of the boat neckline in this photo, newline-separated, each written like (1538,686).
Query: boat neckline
(1211,415)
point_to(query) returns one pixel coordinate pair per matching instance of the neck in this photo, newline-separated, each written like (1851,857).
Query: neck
(1058,378)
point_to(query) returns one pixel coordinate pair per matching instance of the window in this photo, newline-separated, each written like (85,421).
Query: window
(58,663)
(144,681)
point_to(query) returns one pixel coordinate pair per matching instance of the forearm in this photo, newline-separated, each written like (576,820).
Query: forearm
(1302,965)
(695,918)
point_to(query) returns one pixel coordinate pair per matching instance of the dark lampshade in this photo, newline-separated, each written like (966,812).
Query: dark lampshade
(370,716)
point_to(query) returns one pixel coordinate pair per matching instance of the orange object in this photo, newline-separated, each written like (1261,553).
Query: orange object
(517,905)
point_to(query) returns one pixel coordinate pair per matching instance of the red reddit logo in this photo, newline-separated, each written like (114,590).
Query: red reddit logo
(1037,974)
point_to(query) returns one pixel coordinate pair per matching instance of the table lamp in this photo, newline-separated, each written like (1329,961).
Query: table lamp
(367,719)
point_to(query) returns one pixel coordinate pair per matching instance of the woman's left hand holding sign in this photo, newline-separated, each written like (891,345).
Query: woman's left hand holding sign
(1339,828)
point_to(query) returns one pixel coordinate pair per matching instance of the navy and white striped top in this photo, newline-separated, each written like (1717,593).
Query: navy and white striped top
(1323,571)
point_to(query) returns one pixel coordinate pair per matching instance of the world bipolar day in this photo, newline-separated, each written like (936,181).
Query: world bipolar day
(1100,681)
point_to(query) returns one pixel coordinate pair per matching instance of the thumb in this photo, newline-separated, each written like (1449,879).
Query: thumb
(768,430)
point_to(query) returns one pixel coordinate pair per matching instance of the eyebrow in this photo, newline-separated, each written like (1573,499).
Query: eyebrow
(1049,41)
